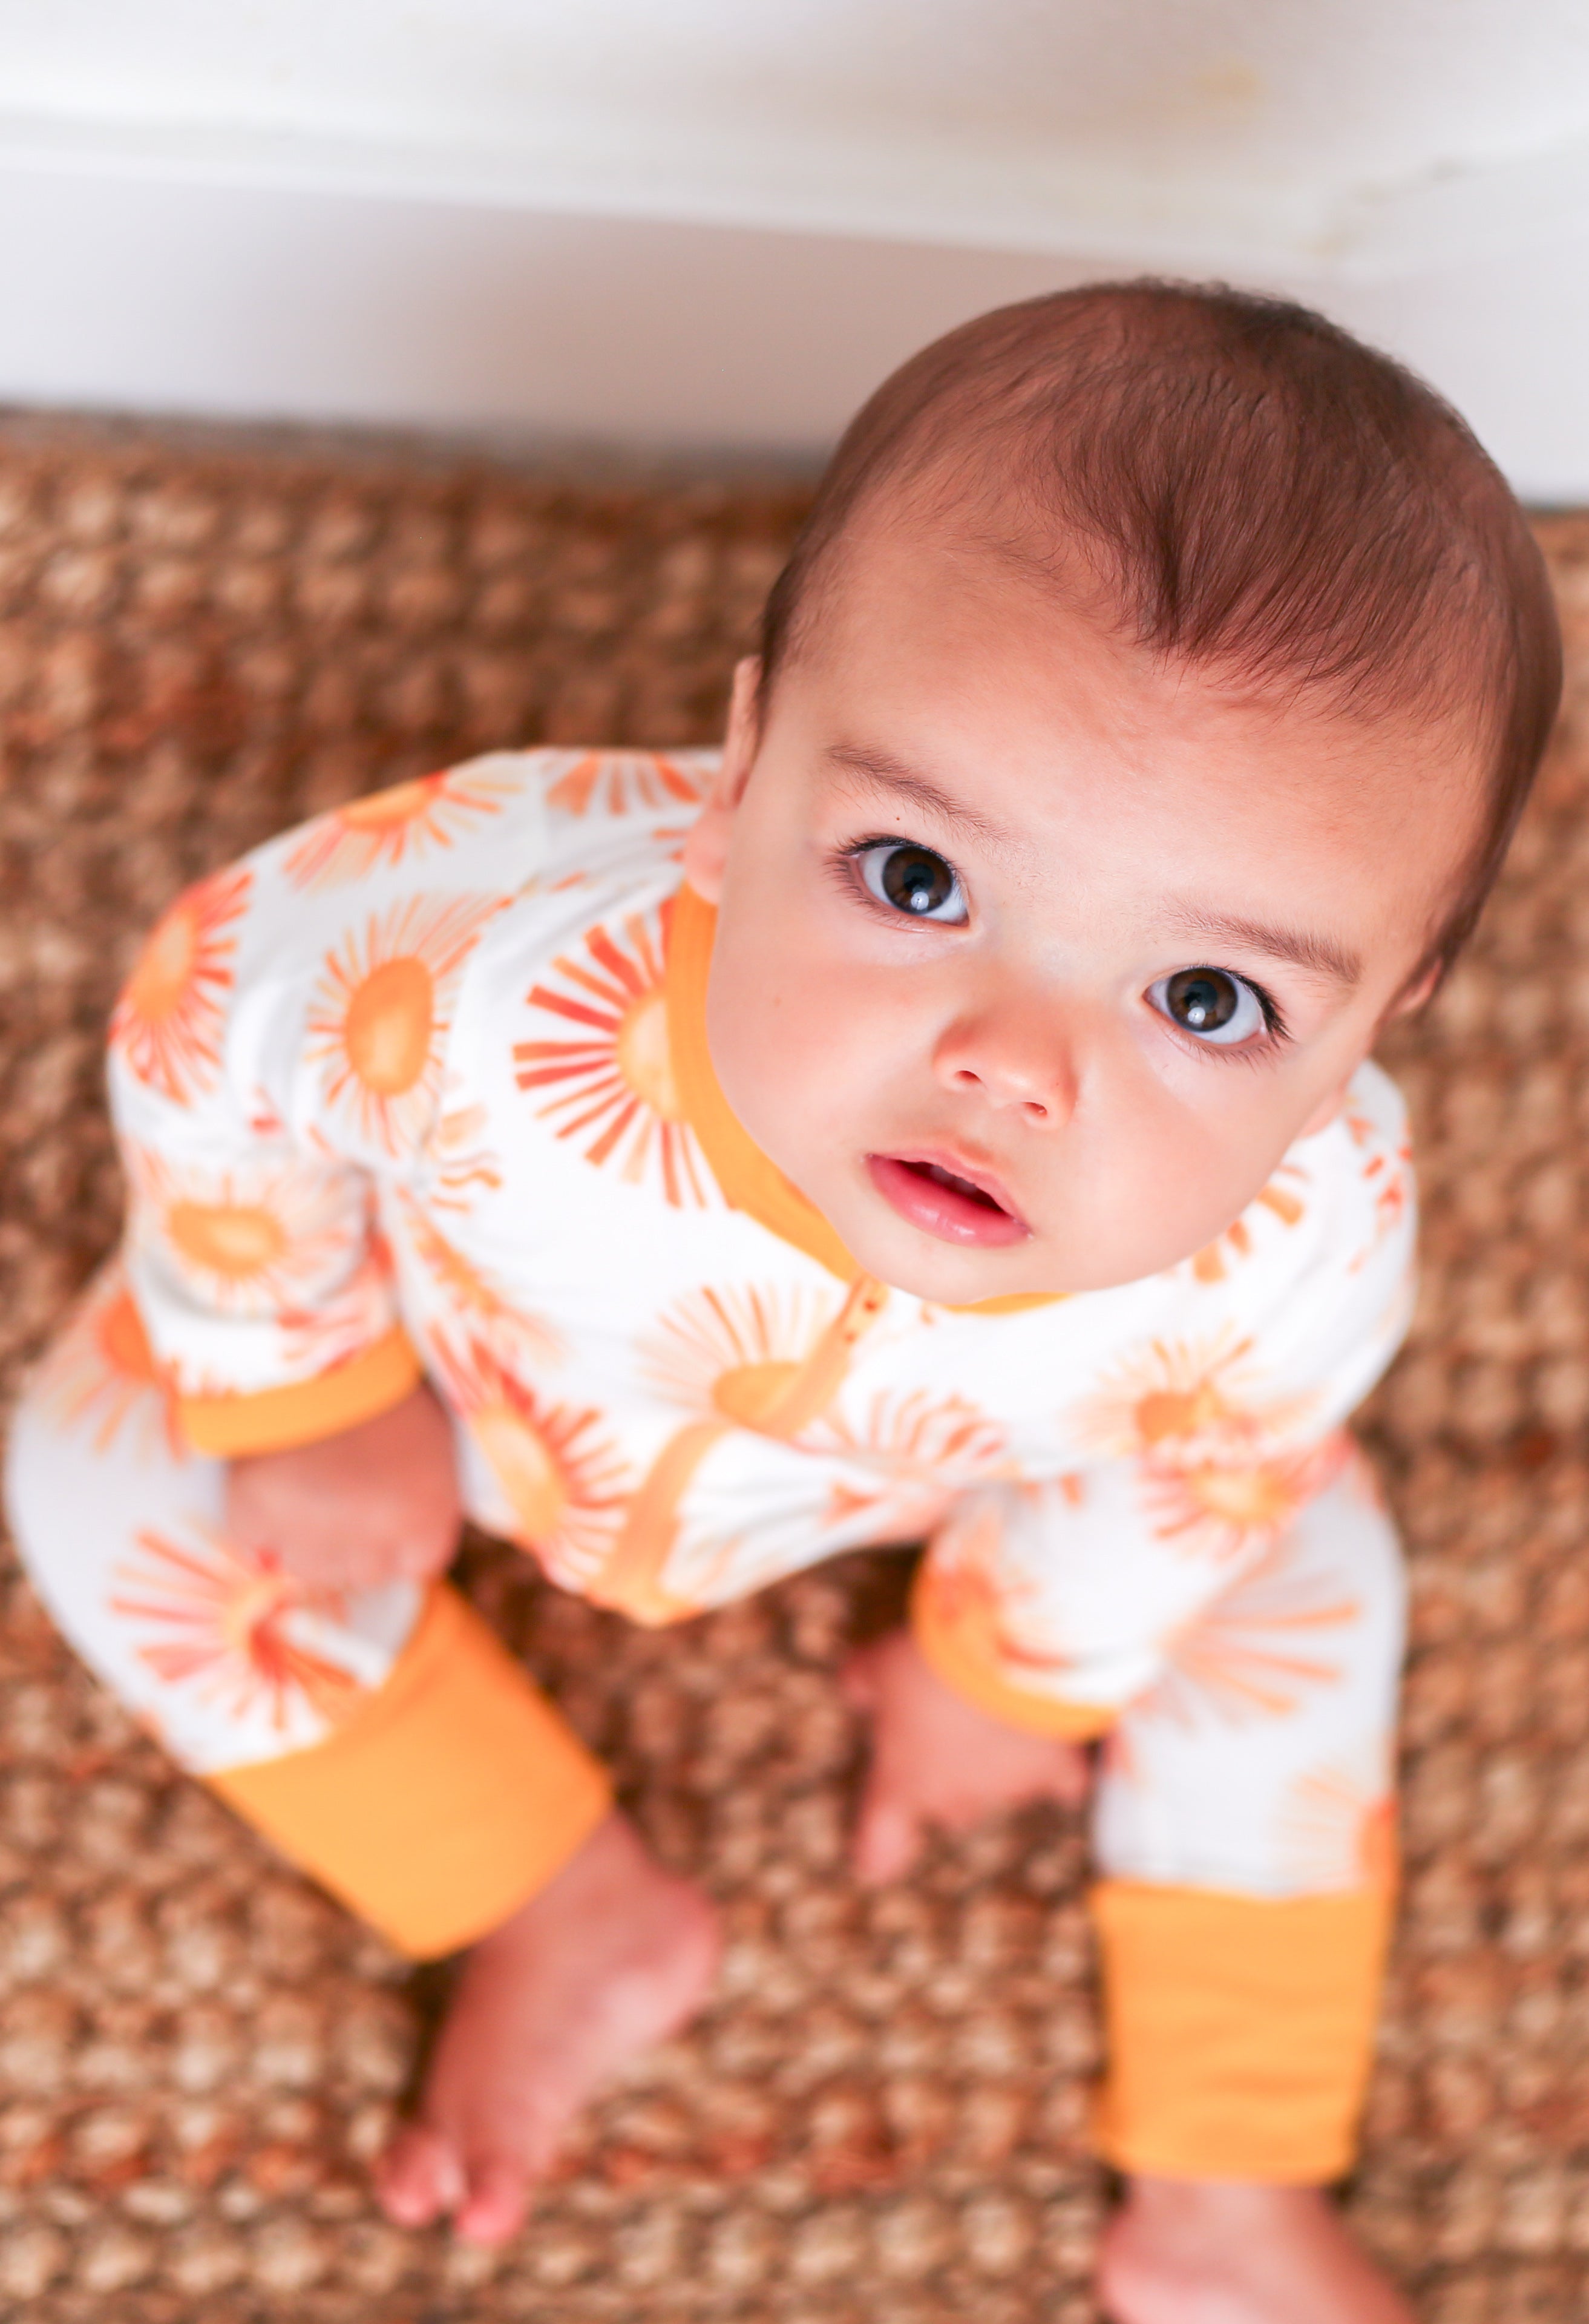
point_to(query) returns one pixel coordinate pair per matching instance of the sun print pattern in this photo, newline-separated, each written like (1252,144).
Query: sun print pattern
(1282,1198)
(459,1163)
(920,1433)
(993,1608)
(1175,1399)
(1390,1177)
(472,1296)
(380,1013)
(251,1240)
(922,1449)
(334,1329)
(560,1472)
(765,1357)
(616,1094)
(102,1375)
(1337,1827)
(1218,1508)
(622,782)
(387,827)
(731,1353)
(217,1617)
(168,1021)
(1256,1650)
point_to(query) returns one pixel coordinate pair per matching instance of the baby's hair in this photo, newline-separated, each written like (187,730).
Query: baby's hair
(1241,485)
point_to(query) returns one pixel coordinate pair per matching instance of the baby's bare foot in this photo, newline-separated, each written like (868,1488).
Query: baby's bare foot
(612,1955)
(1185,2251)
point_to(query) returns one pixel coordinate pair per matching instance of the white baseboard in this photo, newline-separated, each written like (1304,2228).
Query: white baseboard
(127,290)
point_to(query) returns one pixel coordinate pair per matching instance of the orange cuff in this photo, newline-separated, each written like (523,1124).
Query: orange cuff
(450,1795)
(957,1634)
(1240,2030)
(273,1419)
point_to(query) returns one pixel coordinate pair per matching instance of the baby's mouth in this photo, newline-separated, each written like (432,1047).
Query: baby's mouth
(946,1202)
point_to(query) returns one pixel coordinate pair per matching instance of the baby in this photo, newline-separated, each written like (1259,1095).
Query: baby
(944,1115)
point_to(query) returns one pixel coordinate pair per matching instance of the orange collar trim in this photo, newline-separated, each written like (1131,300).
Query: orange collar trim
(749,1180)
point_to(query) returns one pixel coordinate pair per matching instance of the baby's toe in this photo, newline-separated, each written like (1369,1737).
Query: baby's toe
(493,2209)
(419,2177)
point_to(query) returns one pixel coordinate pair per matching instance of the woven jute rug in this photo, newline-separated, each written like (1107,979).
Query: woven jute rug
(880,2117)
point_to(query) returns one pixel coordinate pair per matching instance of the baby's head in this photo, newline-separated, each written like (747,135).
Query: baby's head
(1140,722)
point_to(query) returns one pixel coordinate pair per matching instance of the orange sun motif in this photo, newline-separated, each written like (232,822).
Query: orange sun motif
(564,1481)
(458,1162)
(770,1359)
(921,1434)
(168,1019)
(620,1074)
(927,1447)
(1390,1176)
(1172,1397)
(1213,1263)
(103,1371)
(221,1615)
(1218,1508)
(473,1295)
(1246,1657)
(346,1323)
(731,1354)
(250,1241)
(624,780)
(386,826)
(379,1015)
(972,1594)
(1338,1830)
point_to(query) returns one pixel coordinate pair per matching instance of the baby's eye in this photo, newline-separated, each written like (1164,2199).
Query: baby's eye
(1209,1002)
(914,881)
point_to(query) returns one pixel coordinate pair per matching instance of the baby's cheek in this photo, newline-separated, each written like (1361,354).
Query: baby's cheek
(793,1071)
(1148,1201)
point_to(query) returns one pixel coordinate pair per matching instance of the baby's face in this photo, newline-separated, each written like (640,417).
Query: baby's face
(1034,956)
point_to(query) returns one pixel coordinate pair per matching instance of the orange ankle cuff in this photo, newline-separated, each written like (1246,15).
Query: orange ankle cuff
(449,1797)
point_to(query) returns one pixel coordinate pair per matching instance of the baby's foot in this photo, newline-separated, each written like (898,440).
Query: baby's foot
(611,1955)
(1185,2251)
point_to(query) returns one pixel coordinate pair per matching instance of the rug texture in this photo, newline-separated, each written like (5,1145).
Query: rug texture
(881,2117)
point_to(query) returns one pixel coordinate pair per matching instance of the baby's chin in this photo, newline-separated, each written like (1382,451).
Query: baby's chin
(1097,1252)
(947,1275)
(1041,1266)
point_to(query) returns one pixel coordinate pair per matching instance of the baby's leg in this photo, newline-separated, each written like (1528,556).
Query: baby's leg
(610,1957)
(1245,1836)
(384,1740)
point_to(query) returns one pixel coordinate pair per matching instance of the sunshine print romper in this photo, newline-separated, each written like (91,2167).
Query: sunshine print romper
(422,1089)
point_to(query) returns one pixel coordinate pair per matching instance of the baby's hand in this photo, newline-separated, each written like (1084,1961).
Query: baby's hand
(379,1503)
(937,1759)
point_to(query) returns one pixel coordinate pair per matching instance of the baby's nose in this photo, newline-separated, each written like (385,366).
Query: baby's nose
(1013,1067)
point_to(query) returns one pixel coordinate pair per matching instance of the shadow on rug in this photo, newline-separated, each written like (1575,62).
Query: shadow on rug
(881,2117)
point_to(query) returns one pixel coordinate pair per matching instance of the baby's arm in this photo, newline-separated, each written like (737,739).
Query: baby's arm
(254,1149)
(378,1502)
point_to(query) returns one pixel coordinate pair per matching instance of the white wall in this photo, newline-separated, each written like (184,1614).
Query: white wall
(701,226)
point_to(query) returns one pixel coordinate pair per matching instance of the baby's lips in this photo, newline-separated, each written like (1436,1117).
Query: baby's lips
(938,1194)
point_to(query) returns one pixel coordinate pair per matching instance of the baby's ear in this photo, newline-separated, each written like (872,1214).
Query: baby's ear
(1405,1004)
(706,850)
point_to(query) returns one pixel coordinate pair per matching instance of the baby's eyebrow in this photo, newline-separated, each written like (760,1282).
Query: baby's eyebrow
(879,772)
(1319,955)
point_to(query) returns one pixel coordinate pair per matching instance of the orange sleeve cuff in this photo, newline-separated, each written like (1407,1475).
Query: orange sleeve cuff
(1240,2030)
(957,1640)
(448,1797)
(274,1419)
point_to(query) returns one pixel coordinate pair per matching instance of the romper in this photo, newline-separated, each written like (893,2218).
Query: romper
(422,1089)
